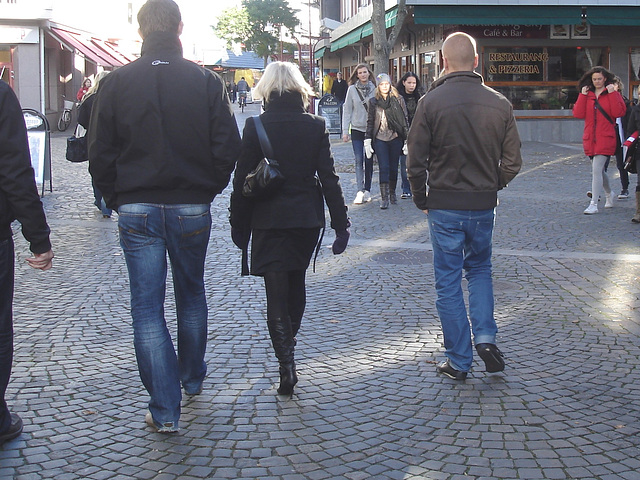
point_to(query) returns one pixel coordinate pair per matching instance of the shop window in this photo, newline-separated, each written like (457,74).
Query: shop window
(634,74)
(540,78)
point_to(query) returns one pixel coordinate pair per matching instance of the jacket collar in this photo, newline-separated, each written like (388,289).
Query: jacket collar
(161,42)
(466,75)
(288,101)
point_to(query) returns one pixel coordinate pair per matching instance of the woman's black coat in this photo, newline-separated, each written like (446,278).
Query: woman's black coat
(300,143)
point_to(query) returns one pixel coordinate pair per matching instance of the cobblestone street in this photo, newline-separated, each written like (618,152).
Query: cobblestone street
(369,404)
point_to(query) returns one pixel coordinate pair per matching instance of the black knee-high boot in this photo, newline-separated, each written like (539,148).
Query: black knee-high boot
(283,345)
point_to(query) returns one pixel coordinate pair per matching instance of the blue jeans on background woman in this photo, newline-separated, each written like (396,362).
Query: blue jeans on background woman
(364,166)
(147,233)
(388,154)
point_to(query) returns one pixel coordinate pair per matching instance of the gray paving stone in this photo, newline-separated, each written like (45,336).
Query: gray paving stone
(369,401)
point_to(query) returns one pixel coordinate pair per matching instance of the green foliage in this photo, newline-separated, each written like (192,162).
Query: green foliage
(233,25)
(257,25)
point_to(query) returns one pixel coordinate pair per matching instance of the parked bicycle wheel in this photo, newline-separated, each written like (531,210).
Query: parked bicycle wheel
(64,121)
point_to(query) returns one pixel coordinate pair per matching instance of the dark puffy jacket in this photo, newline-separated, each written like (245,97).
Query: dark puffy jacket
(300,143)
(19,197)
(464,135)
(162,130)
(599,137)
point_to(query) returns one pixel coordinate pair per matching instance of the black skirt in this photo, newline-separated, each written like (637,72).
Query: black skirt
(282,250)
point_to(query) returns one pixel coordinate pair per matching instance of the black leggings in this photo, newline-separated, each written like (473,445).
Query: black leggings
(286,296)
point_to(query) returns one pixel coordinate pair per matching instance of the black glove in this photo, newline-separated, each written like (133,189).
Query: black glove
(240,237)
(340,243)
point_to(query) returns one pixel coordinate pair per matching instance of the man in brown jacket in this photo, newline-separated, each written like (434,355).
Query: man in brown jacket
(463,147)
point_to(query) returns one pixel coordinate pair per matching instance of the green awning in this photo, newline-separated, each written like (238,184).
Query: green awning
(629,16)
(318,54)
(389,21)
(501,15)
(352,37)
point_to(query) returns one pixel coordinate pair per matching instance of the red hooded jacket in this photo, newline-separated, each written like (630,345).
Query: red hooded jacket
(599,137)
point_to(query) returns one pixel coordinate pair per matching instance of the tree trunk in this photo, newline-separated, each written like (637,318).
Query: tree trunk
(381,47)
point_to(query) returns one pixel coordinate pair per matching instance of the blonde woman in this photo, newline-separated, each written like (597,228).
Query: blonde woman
(285,227)
(386,135)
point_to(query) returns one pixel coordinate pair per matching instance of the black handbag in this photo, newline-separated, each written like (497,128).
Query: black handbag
(77,148)
(266,178)
(632,157)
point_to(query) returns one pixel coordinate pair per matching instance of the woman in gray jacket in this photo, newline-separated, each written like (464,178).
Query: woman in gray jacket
(354,115)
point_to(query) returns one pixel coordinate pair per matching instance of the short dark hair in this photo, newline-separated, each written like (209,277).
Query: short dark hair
(159,16)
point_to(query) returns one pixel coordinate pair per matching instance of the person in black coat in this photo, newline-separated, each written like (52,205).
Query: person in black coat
(19,200)
(339,88)
(285,226)
(84,120)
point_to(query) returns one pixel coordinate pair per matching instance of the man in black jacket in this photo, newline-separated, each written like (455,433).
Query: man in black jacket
(163,142)
(464,141)
(339,88)
(18,200)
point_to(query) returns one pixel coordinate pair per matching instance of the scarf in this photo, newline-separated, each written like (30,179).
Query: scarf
(395,115)
(365,89)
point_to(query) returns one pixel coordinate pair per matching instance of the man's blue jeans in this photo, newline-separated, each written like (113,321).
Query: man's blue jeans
(364,165)
(461,240)
(147,233)
(7,263)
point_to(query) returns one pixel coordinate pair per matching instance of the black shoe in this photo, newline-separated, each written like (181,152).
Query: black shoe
(491,356)
(15,429)
(446,369)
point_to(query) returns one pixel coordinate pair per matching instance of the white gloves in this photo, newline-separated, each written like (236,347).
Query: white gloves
(405,150)
(368,149)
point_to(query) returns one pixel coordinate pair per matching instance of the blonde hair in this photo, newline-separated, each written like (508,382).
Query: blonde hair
(393,92)
(283,77)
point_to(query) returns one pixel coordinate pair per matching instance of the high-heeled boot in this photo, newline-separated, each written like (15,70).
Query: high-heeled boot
(384,196)
(282,341)
(392,192)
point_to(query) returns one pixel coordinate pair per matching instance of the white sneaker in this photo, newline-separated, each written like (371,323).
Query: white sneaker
(609,202)
(591,209)
(359,198)
(367,196)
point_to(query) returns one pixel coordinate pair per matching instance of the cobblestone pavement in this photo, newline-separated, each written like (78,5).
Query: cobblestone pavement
(369,404)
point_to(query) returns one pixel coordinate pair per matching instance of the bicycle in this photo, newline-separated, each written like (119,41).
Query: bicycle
(242,100)
(65,117)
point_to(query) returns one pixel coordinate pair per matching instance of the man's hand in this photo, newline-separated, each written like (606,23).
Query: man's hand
(41,261)
(345,137)
(426,212)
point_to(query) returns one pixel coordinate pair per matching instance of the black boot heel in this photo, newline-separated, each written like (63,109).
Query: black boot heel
(288,379)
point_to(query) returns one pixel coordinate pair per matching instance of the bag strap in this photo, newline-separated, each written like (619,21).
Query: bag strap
(365,104)
(606,115)
(265,144)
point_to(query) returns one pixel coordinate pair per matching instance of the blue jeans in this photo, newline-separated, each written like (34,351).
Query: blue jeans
(461,239)
(406,187)
(147,233)
(388,154)
(100,201)
(7,262)
(364,166)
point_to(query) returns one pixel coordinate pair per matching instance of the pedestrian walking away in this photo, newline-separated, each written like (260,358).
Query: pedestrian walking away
(284,228)
(599,104)
(354,124)
(19,200)
(464,147)
(386,135)
(160,150)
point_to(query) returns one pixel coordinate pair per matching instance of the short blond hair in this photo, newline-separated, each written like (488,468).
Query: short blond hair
(280,77)
(460,50)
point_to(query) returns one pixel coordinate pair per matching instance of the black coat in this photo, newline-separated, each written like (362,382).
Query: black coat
(162,130)
(300,143)
(19,197)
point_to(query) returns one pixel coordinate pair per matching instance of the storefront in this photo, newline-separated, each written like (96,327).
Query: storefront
(533,54)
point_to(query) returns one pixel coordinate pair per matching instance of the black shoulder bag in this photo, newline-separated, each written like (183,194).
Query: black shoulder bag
(605,114)
(264,180)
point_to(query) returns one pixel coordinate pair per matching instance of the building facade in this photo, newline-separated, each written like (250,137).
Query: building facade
(533,52)
(45,61)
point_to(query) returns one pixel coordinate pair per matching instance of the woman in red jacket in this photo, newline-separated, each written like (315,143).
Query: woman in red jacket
(599,103)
